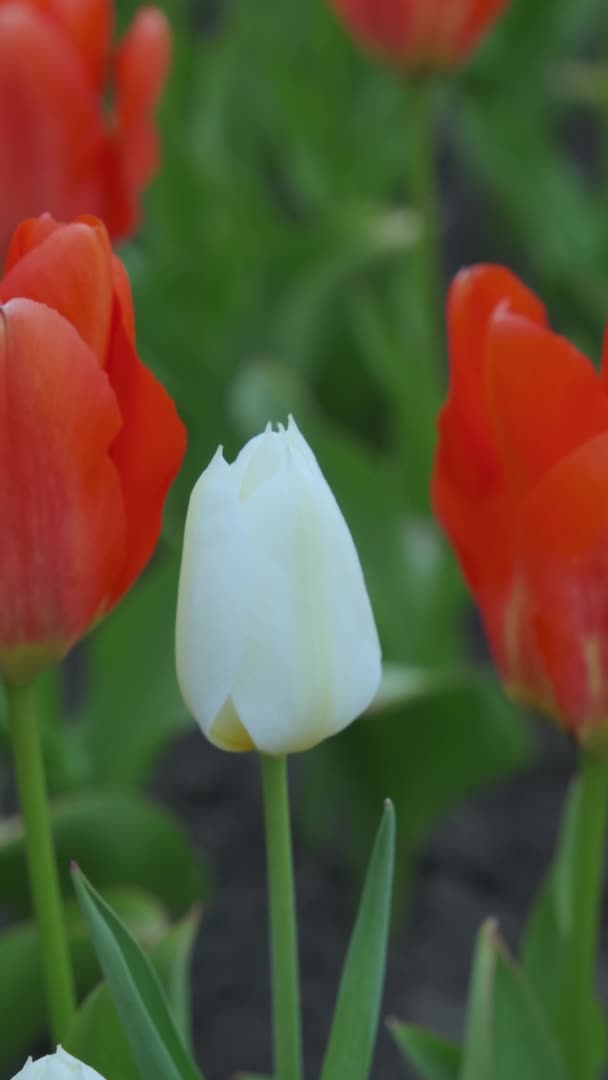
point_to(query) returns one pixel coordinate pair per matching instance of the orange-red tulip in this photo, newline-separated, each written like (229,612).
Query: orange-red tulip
(63,147)
(521,488)
(89,442)
(420,34)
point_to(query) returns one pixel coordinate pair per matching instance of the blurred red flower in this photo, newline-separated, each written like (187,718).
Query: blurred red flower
(76,124)
(420,34)
(89,442)
(521,488)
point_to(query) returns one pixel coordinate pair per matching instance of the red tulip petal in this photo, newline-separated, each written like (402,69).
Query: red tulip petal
(122,292)
(564,556)
(88,24)
(141,68)
(472,300)
(546,398)
(59,490)
(420,32)
(118,196)
(28,235)
(147,453)
(478,16)
(382,24)
(468,483)
(50,125)
(70,270)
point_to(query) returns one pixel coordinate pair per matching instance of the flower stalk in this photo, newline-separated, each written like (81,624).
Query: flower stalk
(283,929)
(589,846)
(427,288)
(42,864)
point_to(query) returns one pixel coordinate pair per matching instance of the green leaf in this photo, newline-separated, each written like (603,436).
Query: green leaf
(534,33)
(22,996)
(97,1035)
(156,1044)
(507,1032)
(434,1057)
(355,1023)
(134,707)
(121,839)
(548,937)
(171,959)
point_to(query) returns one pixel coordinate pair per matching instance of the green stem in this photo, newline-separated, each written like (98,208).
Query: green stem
(425,198)
(421,379)
(44,880)
(283,930)
(587,883)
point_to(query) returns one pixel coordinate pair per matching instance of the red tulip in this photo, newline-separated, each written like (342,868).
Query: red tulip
(521,488)
(420,33)
(89,442)
(63,147)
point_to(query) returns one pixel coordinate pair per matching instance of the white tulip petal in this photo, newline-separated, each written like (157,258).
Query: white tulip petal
(57,1066)
(312,661)
(257,462)
(276,642)
(211,607)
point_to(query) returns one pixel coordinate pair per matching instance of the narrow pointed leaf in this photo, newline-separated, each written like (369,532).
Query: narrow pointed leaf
(549,936)
(21,977)
(355,1023)
(434,1057)
(507,1032)
(97,1035)
(140,1001)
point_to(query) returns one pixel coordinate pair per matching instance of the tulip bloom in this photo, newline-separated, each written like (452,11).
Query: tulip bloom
(420,34)
(276,642)
(57,1066)
(521,488)
(89,442)
(63,149)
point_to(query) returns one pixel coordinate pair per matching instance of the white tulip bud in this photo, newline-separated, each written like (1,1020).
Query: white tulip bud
(277,648)
(58,1066)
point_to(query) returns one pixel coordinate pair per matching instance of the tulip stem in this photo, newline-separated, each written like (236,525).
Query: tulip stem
(283,929)
(40,852)
(588,849)
(427,253)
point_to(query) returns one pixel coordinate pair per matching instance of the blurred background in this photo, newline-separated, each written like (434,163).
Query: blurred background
(275,273)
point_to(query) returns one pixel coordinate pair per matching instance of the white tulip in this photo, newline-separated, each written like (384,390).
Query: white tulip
(58,1066)
(277,648)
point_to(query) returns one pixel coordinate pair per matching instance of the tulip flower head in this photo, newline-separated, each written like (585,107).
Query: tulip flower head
(89,442)
(420,34)
(521,488)
(57,1066)
(63,149)
(277,648)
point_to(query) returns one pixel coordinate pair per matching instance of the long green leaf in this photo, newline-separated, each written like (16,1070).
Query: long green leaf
(23,1006)
(434,1057)
(507,1032)
(155,1042)
(549,936)
(97,1035)
(355,1023)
